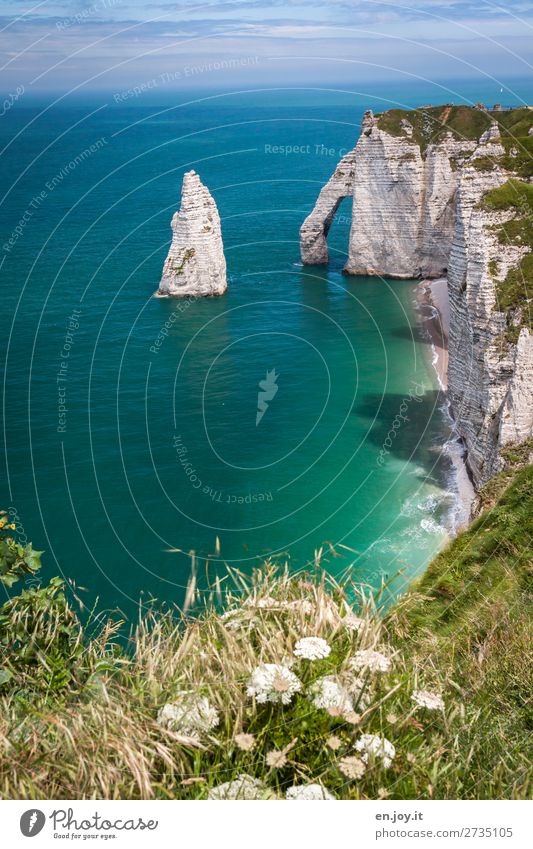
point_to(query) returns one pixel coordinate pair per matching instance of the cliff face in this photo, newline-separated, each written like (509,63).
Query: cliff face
(490,374)
(402,220)
(195,265)
(420,180)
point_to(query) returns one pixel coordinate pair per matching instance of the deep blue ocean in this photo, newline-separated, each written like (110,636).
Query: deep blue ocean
(130,422)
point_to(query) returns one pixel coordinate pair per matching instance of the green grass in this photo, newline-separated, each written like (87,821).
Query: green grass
(515,457)
(431,123)
(467,123)
(483,163)
(84,724)
(491,562)
(473,612)
(514,194)
(514,129)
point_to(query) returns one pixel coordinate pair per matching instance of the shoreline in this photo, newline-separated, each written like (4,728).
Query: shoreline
(434,309)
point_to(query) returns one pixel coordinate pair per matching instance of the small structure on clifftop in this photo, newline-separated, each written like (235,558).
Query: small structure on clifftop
(195,266)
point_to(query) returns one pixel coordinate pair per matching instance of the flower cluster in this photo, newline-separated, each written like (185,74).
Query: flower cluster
(308,793)
(188,714)
(352,767)
(352,622)
(312,648)
(430,701)
(372,660)
(329,694)
(376,748)
(277,758)
(273,682)
(243,787)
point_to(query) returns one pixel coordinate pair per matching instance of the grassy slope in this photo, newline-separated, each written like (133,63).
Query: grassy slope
(489,563)
(473,612)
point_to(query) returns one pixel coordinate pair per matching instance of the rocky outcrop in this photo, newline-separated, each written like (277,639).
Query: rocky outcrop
(418,211)
(516,423)
(195,266)
(402,220)
(314,230)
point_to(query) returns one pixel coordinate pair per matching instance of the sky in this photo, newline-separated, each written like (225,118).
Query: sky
(113,45)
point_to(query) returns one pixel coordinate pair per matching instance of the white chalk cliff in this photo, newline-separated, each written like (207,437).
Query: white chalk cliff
(195,266)
(418,211)
(490,378)
(314,230)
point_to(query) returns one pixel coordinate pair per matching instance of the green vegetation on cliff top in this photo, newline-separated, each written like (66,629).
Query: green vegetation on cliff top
(515,292)
(174,716)
(464,122)
(430,123)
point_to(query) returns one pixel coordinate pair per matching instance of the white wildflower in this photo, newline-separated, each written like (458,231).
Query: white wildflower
(301,605)
(430,701)
(273,682)
(312,648)
(242,787)
(376,747)
(334,742)
(308,793)
(188,714)
(370,659)
(245,742)
(352,767)
(352,622)
(266,603)
(232,620)
(327,693)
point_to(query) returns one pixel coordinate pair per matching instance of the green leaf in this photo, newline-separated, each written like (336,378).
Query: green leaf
(5,676)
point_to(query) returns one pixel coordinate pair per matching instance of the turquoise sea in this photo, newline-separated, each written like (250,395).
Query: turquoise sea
(130,422)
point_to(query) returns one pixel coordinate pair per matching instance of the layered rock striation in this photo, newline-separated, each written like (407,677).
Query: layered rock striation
(315,229)
(195,265)
(490,366)
(445,191)
(403,197)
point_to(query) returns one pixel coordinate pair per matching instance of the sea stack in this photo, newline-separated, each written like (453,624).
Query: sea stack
(195,266)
